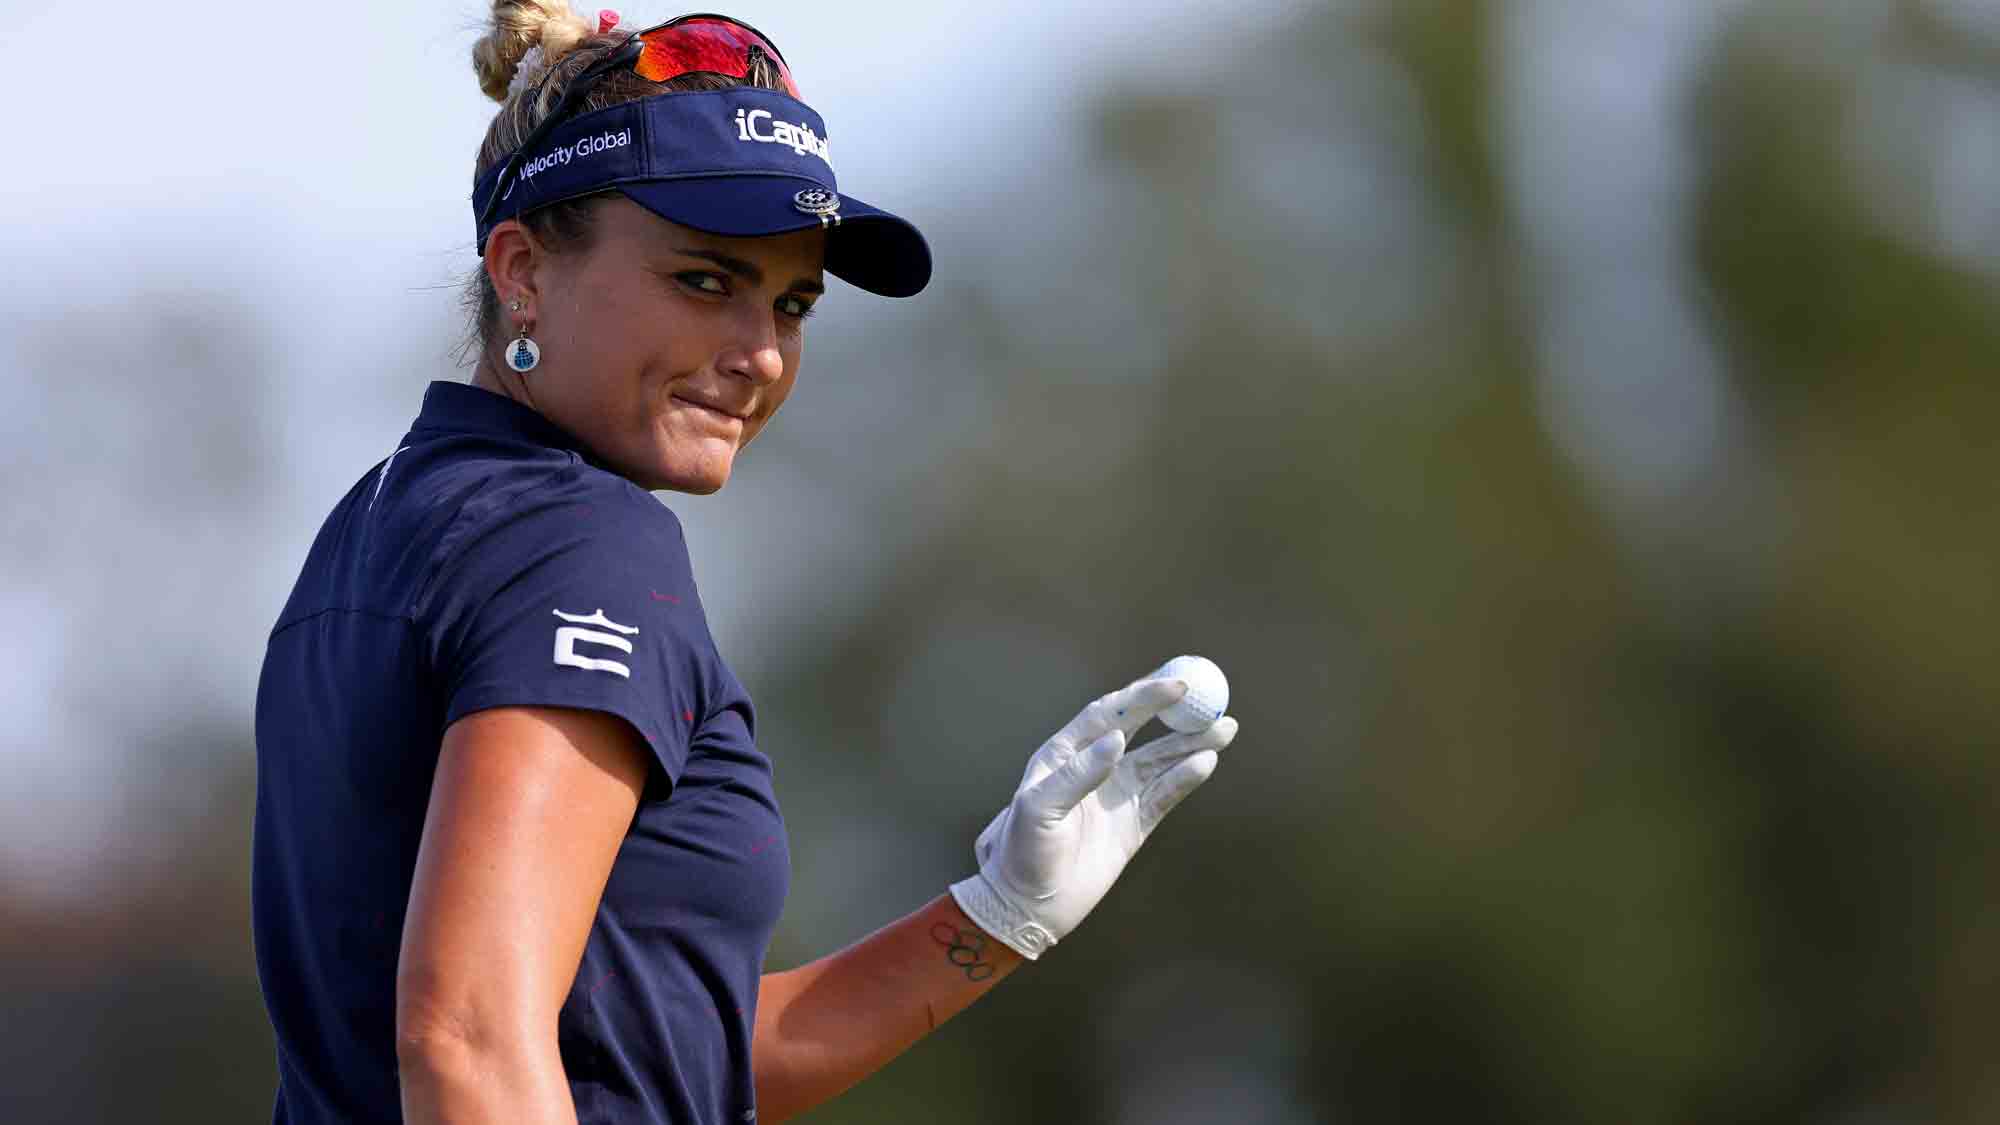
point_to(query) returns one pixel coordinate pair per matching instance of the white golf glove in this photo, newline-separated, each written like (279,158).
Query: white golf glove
(1083,808)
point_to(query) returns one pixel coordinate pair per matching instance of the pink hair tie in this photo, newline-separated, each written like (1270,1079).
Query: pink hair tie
(607,19)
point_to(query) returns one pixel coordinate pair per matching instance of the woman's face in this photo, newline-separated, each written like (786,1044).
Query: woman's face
(664,349)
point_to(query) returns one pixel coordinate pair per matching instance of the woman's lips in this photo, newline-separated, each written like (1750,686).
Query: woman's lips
(707,409)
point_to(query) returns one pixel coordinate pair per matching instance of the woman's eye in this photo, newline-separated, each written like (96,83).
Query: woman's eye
(706,282)
(793,306)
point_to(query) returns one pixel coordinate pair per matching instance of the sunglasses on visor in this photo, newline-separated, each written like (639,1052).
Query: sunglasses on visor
(702,43)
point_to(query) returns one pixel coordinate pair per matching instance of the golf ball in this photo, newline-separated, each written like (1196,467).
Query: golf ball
(1207,695)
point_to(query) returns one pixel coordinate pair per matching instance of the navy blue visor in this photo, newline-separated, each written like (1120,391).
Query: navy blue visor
(742,162)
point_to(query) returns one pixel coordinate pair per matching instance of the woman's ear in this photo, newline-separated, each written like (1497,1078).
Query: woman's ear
(512,253)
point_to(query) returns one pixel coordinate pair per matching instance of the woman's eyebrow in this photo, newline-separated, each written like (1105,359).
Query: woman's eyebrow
(747,270)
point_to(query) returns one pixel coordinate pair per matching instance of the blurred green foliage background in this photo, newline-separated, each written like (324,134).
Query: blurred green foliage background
(1612,750)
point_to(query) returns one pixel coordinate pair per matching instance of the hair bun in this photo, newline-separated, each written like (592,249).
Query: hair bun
(518,25)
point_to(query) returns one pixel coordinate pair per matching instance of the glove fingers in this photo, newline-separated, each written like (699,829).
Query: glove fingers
(1055,795)
(1126,709)
(1156,757)
(1174,786)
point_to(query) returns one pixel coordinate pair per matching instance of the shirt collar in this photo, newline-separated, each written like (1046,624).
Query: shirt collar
(463,408)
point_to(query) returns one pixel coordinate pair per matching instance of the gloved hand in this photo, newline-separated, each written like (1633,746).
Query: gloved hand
(1082,809)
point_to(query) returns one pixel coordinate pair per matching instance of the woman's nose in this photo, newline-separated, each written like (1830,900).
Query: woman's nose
(754,354)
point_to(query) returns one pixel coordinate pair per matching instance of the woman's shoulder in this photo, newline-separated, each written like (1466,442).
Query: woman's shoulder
(560,493)
(479,518)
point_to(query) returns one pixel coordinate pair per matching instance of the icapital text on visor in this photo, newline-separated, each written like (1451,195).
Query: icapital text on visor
(799,138)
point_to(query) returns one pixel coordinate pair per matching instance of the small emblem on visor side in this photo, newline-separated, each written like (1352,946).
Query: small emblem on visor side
(817,201)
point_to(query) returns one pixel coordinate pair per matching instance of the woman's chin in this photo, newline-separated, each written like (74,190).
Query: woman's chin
(702,487)
(704,472)
(693,452)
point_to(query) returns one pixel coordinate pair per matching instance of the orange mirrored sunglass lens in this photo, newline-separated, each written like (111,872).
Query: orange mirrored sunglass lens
(703,45)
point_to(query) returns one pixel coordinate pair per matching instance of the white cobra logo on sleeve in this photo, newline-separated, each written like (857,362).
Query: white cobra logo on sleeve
(573,634)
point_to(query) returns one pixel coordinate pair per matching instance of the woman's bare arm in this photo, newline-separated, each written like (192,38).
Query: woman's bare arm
(824,1026)
(527,811)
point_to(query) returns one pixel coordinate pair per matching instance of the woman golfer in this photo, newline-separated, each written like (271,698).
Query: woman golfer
(517,855)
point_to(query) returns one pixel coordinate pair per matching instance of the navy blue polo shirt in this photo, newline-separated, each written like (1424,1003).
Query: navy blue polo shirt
(489,563)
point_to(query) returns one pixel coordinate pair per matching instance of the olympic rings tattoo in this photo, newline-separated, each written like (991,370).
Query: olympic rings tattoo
(963,948)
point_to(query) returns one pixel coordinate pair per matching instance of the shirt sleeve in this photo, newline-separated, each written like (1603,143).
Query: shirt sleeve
(567,600)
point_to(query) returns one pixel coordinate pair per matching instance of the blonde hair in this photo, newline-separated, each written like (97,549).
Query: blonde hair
(566,43)
(518,27)
(554,33)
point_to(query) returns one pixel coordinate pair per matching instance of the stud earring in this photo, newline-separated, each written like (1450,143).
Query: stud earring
(523,353)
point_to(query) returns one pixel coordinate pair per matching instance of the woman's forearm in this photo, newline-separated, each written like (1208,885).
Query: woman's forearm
(824,1026)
